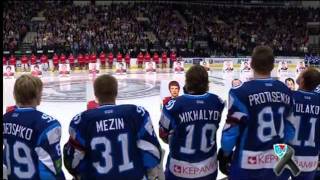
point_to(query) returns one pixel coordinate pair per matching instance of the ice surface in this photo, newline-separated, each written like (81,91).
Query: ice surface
(63,98)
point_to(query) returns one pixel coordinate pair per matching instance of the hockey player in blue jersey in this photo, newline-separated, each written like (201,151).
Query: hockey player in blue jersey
(189,124)
(307,124)
(31,138)
(258,117)
(112,141)
(317,90)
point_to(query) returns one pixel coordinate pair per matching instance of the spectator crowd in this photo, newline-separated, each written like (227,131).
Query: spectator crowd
(196,29)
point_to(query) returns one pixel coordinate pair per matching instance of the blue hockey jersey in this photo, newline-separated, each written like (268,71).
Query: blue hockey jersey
(189,124)
(307,137)
(258,117)
(307,124)
(112,142)
(317,90)
(31,145)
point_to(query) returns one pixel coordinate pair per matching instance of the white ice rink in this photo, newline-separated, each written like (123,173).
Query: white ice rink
(63,98)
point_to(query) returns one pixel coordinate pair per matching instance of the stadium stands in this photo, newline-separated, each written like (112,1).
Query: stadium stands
(200,30)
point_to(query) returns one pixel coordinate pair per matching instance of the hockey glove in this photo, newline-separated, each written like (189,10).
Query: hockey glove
(224,162)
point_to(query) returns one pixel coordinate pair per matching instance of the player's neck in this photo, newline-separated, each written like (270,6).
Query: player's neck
(112,102)
(32,105)
(260,76)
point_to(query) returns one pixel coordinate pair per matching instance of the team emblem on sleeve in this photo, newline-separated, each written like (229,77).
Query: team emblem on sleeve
(170,104)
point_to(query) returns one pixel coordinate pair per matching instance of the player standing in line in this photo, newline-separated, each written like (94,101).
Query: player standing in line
(188,124)
(317,176)
(31,138)
(306,141)
(112,141)
(258,117)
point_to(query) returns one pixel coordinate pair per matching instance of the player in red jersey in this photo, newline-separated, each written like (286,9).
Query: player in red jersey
(12,60)
(127,60)
(86,60)
(110,60)
(81,61)
(93,58)
(55,60)
(174,89)
(44,61)
(71,61)
(156,59)
(119,57)
(147,57)
(102,58)
(140,60)
(33,59)
(4,60)
(24,62)
(63,59)
(164,59)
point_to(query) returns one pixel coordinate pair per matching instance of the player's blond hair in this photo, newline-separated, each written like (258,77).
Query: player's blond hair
(27,89)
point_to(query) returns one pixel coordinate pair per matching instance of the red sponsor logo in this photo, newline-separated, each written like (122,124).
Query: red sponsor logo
(262,159)
(177,169)
(191,170)
(252,160)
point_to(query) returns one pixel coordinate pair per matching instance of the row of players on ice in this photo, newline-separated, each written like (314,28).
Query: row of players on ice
(82,61)
(94,68)
(118,141)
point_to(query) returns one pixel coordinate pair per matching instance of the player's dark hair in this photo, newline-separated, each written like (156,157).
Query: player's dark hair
(105,88)
(262,60)
(8,67)
(27,89)
(173,83)
(289,79)
(197,81)
(311,79)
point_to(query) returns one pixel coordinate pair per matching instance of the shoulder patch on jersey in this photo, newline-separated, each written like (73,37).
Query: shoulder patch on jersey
(54,135)
(141,110)
(170,104)
(77,118)
(47,117)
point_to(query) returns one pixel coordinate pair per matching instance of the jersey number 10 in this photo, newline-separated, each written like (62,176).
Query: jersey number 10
(187,149)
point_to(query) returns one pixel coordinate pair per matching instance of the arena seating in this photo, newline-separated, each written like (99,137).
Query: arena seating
(200,30)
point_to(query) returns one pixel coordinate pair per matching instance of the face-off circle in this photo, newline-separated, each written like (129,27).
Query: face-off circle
(76,90)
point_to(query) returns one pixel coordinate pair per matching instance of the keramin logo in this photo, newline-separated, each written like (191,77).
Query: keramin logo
(191,170)
(262,159)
